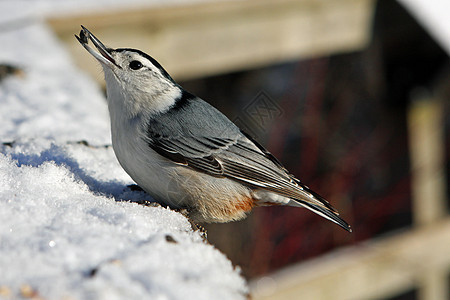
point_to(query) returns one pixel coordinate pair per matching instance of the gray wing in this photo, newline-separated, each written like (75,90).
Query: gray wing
(200,137)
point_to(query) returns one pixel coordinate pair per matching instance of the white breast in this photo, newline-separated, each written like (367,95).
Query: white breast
(147,168)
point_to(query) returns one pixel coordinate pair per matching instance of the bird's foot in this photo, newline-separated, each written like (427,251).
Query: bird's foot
(195,227)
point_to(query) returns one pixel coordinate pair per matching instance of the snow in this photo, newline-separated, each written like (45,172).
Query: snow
(69,228)
(433,15)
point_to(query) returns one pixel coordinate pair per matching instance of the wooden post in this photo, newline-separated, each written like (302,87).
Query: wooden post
(426,137)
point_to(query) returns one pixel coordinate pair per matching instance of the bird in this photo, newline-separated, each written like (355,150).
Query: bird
(184,152)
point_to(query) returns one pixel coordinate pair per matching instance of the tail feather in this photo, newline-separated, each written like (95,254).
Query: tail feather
(324,212)
(311,195)
(308,199)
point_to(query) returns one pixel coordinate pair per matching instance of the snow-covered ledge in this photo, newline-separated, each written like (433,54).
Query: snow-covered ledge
(67,227)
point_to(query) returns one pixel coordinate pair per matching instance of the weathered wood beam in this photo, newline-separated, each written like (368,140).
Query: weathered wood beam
(196,40)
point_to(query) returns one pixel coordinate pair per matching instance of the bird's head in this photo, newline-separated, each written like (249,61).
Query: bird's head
(134,79)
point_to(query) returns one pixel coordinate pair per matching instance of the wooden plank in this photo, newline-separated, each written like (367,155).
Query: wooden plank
(373,270)
(203,39)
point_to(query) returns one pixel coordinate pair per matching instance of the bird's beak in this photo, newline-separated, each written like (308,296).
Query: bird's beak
(103,55)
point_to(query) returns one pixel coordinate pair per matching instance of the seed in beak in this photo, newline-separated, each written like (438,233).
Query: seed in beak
(83,37)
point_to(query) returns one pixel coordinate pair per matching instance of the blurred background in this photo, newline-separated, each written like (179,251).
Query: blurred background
(352,96)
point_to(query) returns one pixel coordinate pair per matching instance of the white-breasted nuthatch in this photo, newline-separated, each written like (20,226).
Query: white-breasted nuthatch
(184,152)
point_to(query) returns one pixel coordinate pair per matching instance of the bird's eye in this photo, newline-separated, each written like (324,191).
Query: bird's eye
(136,65)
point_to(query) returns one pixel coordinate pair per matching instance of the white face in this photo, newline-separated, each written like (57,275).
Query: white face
(136,84)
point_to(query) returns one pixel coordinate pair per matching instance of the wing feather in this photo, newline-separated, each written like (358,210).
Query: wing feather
(237,159)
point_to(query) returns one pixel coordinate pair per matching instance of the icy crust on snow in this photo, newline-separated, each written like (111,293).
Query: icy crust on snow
(67,227)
